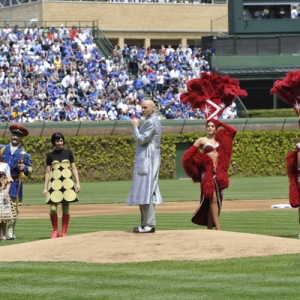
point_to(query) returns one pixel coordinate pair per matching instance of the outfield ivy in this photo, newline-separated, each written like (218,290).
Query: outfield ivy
(255,153)
(272,113)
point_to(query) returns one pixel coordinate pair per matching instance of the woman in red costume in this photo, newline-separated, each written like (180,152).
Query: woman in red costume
(293,172)
(210,168)
(212,94)
(288,90)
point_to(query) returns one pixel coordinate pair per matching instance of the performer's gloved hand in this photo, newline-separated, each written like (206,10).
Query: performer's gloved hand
(217,123)
(230,129)
(298,147)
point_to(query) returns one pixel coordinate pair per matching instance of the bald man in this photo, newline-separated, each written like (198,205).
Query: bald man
(144,190)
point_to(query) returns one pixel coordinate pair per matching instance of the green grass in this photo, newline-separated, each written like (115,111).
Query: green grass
(274,277)
(246,188)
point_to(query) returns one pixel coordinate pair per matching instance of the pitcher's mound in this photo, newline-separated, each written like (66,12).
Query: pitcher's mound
(118,246)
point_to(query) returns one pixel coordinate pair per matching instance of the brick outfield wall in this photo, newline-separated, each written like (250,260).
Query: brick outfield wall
(73,131)
(131,16)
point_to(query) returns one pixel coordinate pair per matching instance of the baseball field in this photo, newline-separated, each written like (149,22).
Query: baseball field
(254,256)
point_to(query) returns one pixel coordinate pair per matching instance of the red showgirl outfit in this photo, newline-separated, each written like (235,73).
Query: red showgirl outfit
(294,176)
(288,90)
(199,166)
(211,93)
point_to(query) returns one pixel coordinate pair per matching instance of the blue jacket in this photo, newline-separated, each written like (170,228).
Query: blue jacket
(12,160)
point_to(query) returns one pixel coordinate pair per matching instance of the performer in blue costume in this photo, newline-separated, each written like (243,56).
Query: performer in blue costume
(20,164)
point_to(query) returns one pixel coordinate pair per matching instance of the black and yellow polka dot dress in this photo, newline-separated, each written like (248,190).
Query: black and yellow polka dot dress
(61,185)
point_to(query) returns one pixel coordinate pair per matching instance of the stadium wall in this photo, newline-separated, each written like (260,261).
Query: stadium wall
(103,157)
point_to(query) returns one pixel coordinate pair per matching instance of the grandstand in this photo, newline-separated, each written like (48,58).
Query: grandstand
(126,59)
(54,74)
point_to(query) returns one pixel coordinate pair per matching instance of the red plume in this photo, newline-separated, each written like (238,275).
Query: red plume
(212,93)
(288,90)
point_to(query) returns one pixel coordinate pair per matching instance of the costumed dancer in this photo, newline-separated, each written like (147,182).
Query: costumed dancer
(211,93)
(7,209)
(288,90)
(59,186)
(20,165)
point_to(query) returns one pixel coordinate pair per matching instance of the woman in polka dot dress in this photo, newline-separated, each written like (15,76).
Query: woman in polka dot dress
(59,185)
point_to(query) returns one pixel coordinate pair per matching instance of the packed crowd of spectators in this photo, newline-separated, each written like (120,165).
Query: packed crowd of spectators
(58,74)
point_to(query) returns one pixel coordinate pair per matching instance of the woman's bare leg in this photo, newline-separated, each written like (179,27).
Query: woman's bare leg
(3,228)
(214,208)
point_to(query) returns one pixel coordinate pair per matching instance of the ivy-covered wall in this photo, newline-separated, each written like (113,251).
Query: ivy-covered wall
(98,158)
(262,153)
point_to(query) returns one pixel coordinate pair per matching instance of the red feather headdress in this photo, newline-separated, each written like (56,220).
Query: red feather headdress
(288,90)
(212,93)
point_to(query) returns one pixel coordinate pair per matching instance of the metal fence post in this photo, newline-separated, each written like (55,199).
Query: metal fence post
(43,128)
(245,124)
(283,124)
(114,128)
(182,126)
(78,128)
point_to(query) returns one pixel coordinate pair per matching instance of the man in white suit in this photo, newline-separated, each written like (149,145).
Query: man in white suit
(144,190)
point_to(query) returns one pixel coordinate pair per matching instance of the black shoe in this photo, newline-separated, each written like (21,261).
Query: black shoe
(144,229)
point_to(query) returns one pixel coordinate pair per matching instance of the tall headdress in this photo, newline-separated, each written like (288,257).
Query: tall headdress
(212,93)
(288,90)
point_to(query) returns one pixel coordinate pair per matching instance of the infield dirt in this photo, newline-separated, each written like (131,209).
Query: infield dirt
(125,246)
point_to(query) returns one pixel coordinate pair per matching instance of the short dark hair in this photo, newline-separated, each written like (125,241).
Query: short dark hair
(56,136)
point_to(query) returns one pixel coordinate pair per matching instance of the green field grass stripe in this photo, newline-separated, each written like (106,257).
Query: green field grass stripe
(245,188)
(274,277)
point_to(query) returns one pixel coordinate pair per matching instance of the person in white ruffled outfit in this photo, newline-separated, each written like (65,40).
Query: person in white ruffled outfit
(5,211)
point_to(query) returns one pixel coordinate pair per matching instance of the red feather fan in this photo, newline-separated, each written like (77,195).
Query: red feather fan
(288,90)
(291,167)
(212,93)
